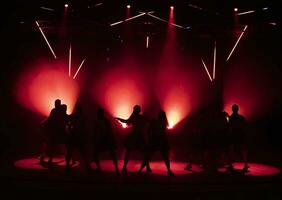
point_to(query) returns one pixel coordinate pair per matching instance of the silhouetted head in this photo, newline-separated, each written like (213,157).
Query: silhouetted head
(100,113)
(64,108)
(235,108)
(136,109)
(57,103)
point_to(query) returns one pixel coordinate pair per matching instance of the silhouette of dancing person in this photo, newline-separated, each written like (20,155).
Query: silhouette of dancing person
(104,139)
(237,137)
(158,141)
(76,136)
(46,127)
(57,134)
(135,140)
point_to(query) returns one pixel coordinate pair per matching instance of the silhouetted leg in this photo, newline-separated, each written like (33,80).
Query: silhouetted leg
(96,159)
(114,157)
(230,158)
(69,154)
(51,152)
(83,153)
(125,161)
(166,160)
(43,152)
(146,161)
(244,153)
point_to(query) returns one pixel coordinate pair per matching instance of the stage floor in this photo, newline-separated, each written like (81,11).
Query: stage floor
(28,175)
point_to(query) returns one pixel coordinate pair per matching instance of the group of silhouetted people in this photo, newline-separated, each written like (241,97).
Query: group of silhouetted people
(217,134)
(219,139)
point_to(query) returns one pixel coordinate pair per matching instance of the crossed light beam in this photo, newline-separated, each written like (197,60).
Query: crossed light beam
(211,78)
(151,15)
(81,64)
(45,38)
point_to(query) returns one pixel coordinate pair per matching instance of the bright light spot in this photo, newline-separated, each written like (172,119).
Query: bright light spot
(118,90)
(235,9)
(147,42)
(128,6)
(174,103)
(124,125)
(66,5)
(171,7)
(265,8)
(273,23)
(37,90)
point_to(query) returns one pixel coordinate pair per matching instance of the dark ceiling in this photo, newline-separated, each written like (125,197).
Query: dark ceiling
(104,12)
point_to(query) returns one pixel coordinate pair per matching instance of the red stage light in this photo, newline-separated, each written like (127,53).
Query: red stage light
(118,90)
(38,89)
(171,7)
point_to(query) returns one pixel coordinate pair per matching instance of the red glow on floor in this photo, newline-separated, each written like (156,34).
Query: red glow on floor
(38,89)
(256,169)
(33,163)
(158,167)
(119,90)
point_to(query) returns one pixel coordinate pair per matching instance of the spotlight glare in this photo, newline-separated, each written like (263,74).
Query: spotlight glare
(147,42)
(124,125)
(128,6)
(171,7)
(66,5)
(235,9)
(170,127)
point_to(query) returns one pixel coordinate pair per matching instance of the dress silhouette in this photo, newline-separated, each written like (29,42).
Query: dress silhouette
(104,139)
(76,136)
(158,141)
(135,140)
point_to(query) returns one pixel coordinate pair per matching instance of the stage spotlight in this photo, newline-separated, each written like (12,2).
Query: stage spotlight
(171,7)
(147,42)
(128,6)
(235,9)
(66,5)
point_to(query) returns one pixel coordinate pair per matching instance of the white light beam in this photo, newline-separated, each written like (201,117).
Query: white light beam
(128,19)
(46,40)
(207,70)
(70,62)
(214,61)
(79,68)
(237,42)
(147,42)
(160,19)
(245,13)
